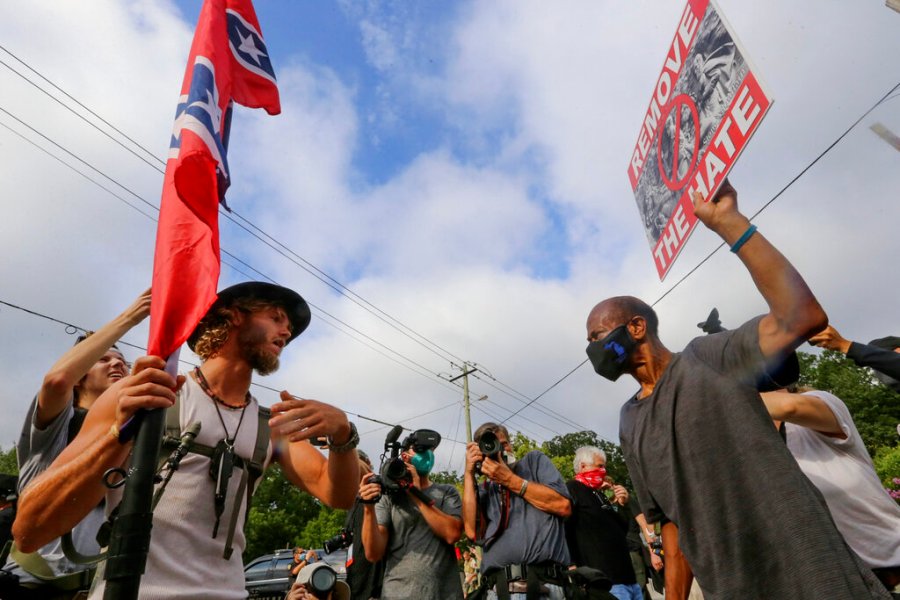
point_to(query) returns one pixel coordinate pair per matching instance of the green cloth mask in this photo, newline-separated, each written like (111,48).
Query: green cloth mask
(423,462)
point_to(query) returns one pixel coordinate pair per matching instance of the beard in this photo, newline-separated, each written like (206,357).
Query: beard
(251,344)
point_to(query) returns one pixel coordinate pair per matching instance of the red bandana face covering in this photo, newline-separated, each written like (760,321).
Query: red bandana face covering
(593,478)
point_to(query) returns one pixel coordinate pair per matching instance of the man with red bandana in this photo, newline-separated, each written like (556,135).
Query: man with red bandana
(596,531)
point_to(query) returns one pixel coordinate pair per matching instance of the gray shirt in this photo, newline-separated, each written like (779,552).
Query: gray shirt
(36,450)
(532,536)
(418,564)
(702,451)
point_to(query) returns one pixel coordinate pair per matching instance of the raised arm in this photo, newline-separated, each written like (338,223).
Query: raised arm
(537,494)
(445,526)
(470,492)
(60,381)
(332,480)
(794,313)
(67,491)
(374,536)
(805,410)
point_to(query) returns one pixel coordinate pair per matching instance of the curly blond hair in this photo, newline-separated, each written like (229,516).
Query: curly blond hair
(216,325)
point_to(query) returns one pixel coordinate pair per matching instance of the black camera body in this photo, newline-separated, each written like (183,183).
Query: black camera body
(342,539)
(490,446)
(393,476)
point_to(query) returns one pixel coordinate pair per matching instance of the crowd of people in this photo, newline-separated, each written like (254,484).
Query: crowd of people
(744,485)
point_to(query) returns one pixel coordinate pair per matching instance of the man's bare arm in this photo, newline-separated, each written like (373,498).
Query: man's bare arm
(537,494)
(678,573)
(60,381)
(794,313)
(444,526)
(805,410)
(67,491)
(470,492)
(333,481)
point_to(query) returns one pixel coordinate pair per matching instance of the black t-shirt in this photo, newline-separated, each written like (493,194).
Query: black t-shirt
(702,451)
(596,534)
(363,577)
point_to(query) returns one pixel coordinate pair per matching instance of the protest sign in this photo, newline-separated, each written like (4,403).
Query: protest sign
(705,105)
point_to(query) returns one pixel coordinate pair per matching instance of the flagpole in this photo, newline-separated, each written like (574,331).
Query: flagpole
(130,539)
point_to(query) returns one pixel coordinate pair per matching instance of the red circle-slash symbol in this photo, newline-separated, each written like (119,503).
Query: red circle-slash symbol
(678,138)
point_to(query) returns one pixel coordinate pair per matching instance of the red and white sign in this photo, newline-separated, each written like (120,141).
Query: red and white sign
(705,106)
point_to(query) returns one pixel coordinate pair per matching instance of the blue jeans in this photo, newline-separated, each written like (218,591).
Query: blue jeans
(627,591)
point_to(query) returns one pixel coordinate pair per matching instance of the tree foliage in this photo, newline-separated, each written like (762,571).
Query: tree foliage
(8,463)
(875,408)
(278,515)
(323,526)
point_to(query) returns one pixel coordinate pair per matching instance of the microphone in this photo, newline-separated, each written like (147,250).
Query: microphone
(394,435)
(187,440)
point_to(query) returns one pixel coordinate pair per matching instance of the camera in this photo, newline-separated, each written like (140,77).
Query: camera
(490,446)
(342,539)
(393,476)
(320,579)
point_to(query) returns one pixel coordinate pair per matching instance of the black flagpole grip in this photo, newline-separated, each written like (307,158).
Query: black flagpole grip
(130,539)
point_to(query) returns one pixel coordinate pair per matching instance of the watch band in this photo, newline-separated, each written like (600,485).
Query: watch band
(347,446)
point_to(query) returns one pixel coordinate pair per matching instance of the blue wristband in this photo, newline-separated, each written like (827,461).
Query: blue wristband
(743,239)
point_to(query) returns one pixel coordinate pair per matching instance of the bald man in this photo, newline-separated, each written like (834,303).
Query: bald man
(700,446)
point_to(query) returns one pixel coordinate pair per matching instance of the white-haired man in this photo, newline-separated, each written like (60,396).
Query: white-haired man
(597,529)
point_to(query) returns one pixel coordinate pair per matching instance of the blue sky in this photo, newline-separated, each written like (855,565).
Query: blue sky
(462,166)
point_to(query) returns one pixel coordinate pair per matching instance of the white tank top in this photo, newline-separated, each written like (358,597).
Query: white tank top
(184,560)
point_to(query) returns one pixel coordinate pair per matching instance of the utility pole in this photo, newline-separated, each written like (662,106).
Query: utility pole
(467,369)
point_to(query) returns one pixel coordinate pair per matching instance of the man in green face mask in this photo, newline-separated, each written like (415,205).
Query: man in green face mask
(414,532)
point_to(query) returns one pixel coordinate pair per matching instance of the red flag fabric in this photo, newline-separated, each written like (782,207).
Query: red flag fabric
(228,62)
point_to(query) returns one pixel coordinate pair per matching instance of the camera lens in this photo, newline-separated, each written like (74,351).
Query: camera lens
(322,579)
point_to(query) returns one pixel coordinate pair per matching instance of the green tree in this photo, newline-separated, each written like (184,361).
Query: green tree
(561,450)
(875,408)
(323,526)
(278,515)
(8,463)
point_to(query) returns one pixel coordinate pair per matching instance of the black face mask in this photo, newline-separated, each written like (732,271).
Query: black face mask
(610,355)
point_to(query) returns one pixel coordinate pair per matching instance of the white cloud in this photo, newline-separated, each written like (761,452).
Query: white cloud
(536,112)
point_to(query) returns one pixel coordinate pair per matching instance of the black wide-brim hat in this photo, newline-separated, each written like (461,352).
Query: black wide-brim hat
(294,305)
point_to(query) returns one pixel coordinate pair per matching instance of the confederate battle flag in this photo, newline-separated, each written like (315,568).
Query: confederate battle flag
(228,63)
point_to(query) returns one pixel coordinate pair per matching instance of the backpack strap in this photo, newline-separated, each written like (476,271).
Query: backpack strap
(250,473)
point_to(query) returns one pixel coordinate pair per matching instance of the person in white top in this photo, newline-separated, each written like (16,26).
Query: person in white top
(821,435)
(190,555)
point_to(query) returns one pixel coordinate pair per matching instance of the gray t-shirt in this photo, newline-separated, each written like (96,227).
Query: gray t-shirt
(702,451)
(36,450)
(418,564)
(532,536)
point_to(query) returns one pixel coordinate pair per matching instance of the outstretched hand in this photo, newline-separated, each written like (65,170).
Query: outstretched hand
(832,340)
(139,309)
(299,419)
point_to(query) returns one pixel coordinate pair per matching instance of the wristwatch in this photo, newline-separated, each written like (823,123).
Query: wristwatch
(347,446)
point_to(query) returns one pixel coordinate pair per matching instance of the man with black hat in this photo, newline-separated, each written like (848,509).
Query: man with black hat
(882,355)
(198,539)
(700,446)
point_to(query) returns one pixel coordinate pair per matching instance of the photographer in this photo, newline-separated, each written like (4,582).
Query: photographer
(318,582)
(516,516)
(413,527)
(363,577)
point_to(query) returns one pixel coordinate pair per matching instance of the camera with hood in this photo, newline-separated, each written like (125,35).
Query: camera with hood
(490,446)
(393,475)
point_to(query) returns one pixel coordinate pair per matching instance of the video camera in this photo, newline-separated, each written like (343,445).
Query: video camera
(393,475)
(490,446)
(342,539)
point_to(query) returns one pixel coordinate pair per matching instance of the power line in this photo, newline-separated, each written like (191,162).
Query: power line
(250,227)
(886,96)
(71,328)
